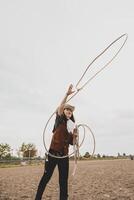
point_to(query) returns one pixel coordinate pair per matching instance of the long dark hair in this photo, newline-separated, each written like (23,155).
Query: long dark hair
(72,118)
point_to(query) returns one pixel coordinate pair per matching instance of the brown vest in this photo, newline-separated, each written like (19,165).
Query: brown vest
(61,139)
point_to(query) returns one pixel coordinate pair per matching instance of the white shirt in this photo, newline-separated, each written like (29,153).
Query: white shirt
(70,125)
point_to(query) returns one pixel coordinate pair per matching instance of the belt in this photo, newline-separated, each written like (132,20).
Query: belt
(56,153)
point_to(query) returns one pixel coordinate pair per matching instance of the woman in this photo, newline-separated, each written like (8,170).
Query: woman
(64,133)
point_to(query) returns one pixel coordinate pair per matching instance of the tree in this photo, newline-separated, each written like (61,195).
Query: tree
(29,150)
(87,155)
(119,155)
(98,155)
(5,151)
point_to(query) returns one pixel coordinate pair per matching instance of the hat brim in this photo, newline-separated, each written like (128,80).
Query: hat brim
(68,106)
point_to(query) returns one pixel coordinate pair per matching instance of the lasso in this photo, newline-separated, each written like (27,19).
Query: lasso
(76,144)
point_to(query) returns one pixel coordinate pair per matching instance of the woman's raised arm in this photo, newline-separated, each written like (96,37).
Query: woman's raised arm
(60,109)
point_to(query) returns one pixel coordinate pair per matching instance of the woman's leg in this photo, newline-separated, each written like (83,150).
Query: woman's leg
(63,167)
(46,177)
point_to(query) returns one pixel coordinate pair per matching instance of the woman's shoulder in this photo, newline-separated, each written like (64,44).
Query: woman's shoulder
(60,118)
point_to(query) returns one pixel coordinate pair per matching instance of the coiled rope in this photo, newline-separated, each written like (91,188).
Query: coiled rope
(78,89)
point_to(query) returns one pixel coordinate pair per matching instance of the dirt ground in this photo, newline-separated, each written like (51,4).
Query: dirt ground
(94,180)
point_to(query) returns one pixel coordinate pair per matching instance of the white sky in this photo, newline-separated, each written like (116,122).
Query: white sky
(45,46)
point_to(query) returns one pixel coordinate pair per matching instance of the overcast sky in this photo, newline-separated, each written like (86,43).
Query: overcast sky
(45,46)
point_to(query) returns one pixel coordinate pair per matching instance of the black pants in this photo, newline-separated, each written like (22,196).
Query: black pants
(63,167)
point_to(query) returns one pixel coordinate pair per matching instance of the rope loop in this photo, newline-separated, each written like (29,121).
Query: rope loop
(78,89)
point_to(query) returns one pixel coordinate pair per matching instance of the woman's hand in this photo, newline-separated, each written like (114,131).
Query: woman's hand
(70,90)
(61,107)
(75,132)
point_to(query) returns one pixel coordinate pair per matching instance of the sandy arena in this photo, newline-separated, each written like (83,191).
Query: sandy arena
(94,180)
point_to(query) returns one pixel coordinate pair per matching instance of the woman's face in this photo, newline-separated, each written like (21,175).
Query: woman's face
(68,113)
